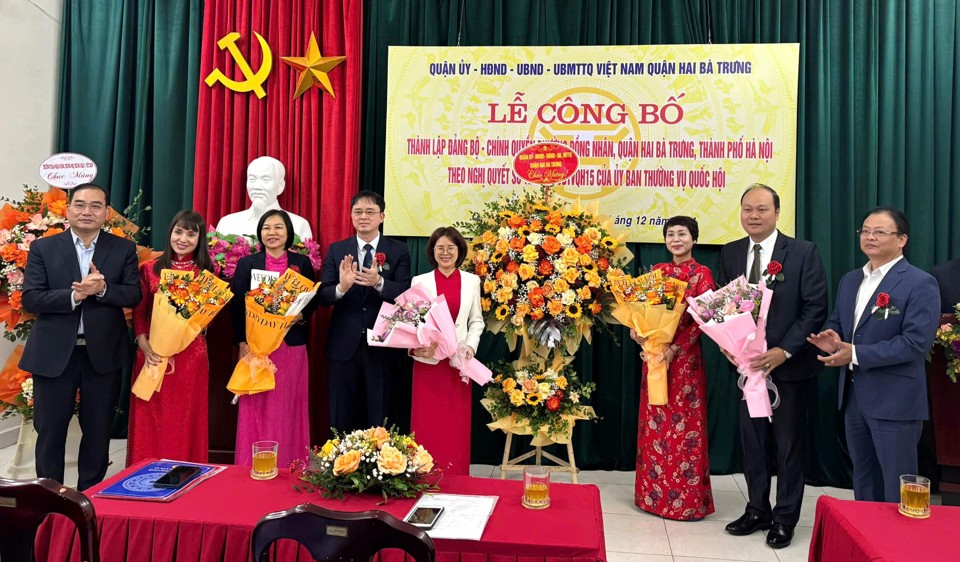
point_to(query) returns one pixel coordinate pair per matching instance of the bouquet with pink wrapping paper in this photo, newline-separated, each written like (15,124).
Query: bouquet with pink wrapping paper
(419,320)
(735,317)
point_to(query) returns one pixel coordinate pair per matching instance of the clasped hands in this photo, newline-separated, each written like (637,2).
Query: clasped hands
(353,273)
(91,285)
(838,351)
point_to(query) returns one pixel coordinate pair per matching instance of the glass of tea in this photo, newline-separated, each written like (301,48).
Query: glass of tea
(536,487)
(915,496)
(264,460)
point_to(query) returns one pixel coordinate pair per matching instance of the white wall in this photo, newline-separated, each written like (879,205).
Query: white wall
(29,75)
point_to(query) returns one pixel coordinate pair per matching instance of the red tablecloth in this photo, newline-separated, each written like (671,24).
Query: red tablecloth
(214,521)
(852,531)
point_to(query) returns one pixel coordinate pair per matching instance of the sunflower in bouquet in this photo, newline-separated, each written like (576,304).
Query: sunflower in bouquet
(537,400)
(374,459)
(543,266)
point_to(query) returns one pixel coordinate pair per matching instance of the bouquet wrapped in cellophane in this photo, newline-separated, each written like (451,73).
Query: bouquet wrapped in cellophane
(182,307)
(419,320)
(735,317)
(652,305)
(270,309)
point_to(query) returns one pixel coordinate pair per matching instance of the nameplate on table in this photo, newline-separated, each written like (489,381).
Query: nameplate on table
(140,484)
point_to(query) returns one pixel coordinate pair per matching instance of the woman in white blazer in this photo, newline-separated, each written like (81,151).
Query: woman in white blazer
(437,387)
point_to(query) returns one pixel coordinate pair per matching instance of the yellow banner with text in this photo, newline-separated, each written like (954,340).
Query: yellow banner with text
(657,131)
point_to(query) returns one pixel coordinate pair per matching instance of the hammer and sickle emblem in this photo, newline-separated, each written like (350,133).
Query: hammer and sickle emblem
(253,82)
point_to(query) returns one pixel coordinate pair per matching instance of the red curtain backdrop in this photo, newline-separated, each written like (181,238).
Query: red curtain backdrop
(316,136)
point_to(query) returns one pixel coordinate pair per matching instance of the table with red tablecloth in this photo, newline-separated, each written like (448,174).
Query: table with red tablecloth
(214,522)
(856,531)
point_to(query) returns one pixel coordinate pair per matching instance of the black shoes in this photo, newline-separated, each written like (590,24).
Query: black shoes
(779,536)
(750,523)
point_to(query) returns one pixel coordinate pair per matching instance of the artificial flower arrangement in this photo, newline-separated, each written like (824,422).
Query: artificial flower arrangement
(366,460)
(735,317)
(652,305)
(183,306)
(16,388)
(948,336)
(270,309)
(537,400)
(39,215)
(543,265)
(227,249)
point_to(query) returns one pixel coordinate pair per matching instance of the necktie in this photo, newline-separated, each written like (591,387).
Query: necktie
(367,256)
(755,269)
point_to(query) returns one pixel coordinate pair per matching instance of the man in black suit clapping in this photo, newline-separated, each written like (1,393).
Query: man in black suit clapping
(77,283)
(355,282)
(799,307)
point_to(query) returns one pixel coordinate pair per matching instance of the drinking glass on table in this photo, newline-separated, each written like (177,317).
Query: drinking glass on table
(264,460)
(915,496)
(536,487)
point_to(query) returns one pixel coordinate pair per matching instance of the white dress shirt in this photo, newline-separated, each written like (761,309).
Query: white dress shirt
(766,253)
(361,253)
(84,257)
(871,280)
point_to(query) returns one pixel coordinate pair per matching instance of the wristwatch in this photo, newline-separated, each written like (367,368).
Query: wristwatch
(787,354)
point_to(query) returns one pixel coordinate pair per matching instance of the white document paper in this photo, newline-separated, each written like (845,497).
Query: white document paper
(464,517)
(300,303)
(259,275)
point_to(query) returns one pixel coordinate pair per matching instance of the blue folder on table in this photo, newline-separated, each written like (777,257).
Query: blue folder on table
(139,485)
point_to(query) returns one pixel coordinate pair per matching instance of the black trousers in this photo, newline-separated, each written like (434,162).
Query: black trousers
(54,399)
(360,389)
(776,448)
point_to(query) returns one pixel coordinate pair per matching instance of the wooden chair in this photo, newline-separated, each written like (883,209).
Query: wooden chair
(336,535)
(25,503)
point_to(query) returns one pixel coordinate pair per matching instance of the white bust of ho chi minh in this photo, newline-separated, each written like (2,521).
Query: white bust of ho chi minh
(265,183)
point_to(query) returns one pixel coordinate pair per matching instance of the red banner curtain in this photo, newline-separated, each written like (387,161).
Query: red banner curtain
(316,136)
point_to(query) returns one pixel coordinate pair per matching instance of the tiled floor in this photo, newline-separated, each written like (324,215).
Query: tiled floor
(635,536)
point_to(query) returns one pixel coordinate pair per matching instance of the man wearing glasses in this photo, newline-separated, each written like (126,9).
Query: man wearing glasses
(358,275)
(882,326)
(77,283)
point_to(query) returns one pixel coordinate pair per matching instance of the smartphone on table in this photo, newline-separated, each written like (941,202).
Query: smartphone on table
(425,516)
(177,476)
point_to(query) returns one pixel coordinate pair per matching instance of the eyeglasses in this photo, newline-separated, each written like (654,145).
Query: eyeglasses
(368,212)
(875,233)
(445,249)
(81,205)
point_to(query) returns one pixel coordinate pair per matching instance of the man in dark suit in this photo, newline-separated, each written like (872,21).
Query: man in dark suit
(947,275)
(799,305)
(77,283)
(882,326)
(355,282)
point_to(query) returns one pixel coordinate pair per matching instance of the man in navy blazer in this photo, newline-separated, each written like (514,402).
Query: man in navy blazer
(883,324)
(799,305)
(357,276)
(78,283)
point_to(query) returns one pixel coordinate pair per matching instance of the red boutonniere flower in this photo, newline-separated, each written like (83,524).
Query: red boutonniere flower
(382,264)
(774,272)
(882,309)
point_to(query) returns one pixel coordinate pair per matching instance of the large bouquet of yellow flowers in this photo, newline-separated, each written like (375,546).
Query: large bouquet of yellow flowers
(537,400)
(375,459)
(948,336)
(543,265)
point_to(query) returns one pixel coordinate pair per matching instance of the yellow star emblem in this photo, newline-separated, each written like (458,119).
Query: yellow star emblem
(313,68)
